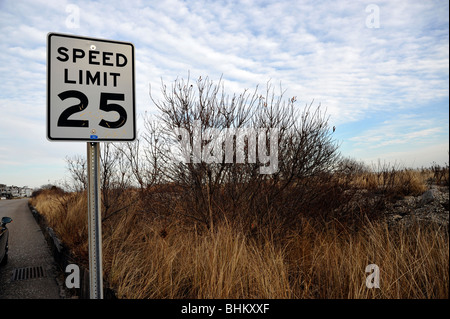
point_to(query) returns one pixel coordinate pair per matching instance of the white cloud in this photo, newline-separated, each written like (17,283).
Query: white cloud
(412,157)
(403,129)
(316,50)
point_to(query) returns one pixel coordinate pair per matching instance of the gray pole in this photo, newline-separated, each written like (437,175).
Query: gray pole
(94,222)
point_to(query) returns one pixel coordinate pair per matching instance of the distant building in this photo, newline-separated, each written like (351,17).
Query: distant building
(14,191)
(25,192)
(3,190)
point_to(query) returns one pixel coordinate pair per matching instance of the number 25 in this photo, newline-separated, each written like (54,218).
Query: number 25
(63,119)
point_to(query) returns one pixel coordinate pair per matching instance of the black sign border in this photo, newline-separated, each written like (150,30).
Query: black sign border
(61,139)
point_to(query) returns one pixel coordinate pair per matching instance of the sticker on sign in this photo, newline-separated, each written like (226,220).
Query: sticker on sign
(90,89)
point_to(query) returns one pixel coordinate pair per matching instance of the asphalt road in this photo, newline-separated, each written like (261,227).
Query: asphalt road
(27,249)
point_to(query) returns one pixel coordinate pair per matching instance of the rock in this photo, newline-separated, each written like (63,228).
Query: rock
(56,240)
(428,197)
(431,206)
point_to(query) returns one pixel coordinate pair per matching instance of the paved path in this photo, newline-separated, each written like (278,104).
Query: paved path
(27,248)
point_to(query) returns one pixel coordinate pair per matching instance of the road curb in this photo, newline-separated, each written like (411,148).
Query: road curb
(62,256)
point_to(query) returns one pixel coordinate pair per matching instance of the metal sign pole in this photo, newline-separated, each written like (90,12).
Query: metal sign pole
(94,222)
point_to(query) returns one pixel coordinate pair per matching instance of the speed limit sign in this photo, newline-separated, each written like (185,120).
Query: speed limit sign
(90,89)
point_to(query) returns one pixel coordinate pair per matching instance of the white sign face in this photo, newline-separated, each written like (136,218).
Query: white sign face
(90,89)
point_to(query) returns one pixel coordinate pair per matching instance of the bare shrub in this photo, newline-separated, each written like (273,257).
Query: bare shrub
(440,174)
(114,180)
(77,167)
(232,189)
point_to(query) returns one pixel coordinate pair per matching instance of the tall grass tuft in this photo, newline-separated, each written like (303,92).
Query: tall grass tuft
(146,258)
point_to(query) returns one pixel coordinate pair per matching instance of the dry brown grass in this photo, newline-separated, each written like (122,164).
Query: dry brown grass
(222,265)
(66,213)
(413,261)
(146,258)
(397,183)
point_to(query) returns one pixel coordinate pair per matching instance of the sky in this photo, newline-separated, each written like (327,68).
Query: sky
(379,68)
